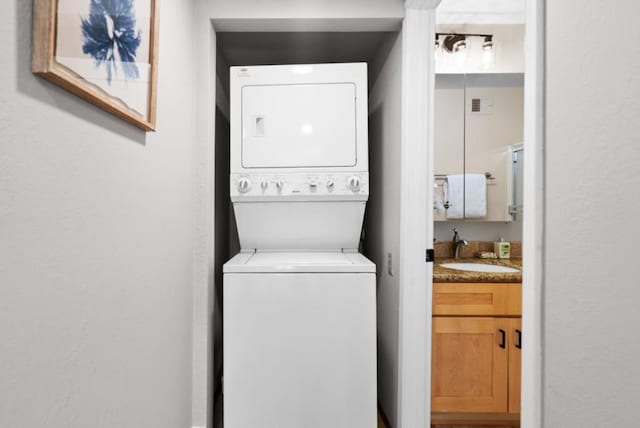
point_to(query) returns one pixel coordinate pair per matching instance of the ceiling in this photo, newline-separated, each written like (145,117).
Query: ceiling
(480,12)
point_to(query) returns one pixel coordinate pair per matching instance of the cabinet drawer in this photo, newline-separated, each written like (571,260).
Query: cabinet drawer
(477,299)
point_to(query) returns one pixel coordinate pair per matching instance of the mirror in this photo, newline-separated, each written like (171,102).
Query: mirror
(478,122)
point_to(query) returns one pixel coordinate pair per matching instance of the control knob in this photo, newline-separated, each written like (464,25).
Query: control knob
(353,183)
(330,184)
(244,185)
(279,185)
(264,184)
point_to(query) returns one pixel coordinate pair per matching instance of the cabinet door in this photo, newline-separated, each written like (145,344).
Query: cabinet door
(469,364)
(515,364)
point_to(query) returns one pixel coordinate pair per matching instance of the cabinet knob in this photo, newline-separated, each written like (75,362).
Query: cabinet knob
(503,339)
(519,342)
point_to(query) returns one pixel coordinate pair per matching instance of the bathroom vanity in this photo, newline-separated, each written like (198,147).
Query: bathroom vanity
(477,340)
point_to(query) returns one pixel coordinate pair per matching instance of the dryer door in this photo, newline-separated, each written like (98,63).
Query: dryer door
(299,125)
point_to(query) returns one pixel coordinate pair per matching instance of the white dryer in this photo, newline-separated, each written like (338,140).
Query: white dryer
(299,300)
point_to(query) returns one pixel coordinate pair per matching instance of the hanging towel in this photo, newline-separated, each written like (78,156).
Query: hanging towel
(475,201)
(474,189)
(453,193)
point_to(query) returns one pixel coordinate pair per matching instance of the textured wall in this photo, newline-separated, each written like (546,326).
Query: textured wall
(96,231)
(591,294)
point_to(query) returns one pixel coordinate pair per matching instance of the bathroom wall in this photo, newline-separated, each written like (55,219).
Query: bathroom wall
(96,244)
(382,221)
(479,231)
(591,274)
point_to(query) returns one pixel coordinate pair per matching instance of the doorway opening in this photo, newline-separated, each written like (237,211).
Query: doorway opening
(381,50)
(488,122)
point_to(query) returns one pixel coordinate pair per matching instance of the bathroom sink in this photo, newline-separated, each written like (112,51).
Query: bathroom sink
(479,267)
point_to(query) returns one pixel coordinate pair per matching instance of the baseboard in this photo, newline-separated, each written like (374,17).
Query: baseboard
(476,419)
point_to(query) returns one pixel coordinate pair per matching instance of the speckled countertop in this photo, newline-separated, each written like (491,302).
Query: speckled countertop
(442,274)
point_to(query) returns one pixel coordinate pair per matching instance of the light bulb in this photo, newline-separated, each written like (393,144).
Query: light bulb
(460,46)
(488,43)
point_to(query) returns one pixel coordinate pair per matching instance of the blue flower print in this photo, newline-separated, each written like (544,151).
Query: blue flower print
(110,36)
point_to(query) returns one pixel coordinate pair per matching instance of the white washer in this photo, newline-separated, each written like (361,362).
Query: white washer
(299,340)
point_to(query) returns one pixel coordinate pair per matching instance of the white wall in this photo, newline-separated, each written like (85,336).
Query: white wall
(382,223)
(591,294)
(96,242)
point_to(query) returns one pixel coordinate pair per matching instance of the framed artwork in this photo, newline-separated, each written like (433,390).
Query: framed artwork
(105,51)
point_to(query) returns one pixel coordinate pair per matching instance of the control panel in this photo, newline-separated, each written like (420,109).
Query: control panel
(304,185)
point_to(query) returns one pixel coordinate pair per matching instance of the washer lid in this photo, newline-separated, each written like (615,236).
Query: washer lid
(299,262)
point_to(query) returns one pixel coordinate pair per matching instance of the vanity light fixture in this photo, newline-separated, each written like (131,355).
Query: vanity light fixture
(456,42)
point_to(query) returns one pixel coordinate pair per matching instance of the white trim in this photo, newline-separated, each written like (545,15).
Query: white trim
(416,216)
(203,257)
(533,218)
(421,5)
(392,23)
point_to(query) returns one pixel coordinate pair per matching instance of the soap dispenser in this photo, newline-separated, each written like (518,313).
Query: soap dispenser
(502,249)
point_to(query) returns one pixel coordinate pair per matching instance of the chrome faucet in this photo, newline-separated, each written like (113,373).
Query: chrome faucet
(457,241)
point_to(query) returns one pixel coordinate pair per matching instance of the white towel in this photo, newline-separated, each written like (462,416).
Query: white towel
(453,193)
(474,189)
(475,201)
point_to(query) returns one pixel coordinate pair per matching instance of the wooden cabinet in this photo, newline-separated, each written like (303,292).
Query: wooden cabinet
(475,348)
(477,299)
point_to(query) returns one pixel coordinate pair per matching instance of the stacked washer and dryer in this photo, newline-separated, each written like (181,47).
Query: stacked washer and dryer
(299,299)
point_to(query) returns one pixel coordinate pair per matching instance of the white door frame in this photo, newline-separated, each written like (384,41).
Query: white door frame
(416,214)
(533,218)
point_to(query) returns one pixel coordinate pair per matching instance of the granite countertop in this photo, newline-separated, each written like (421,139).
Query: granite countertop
(442,274)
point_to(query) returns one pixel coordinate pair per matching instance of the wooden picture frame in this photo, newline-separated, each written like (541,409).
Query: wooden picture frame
(109,75)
